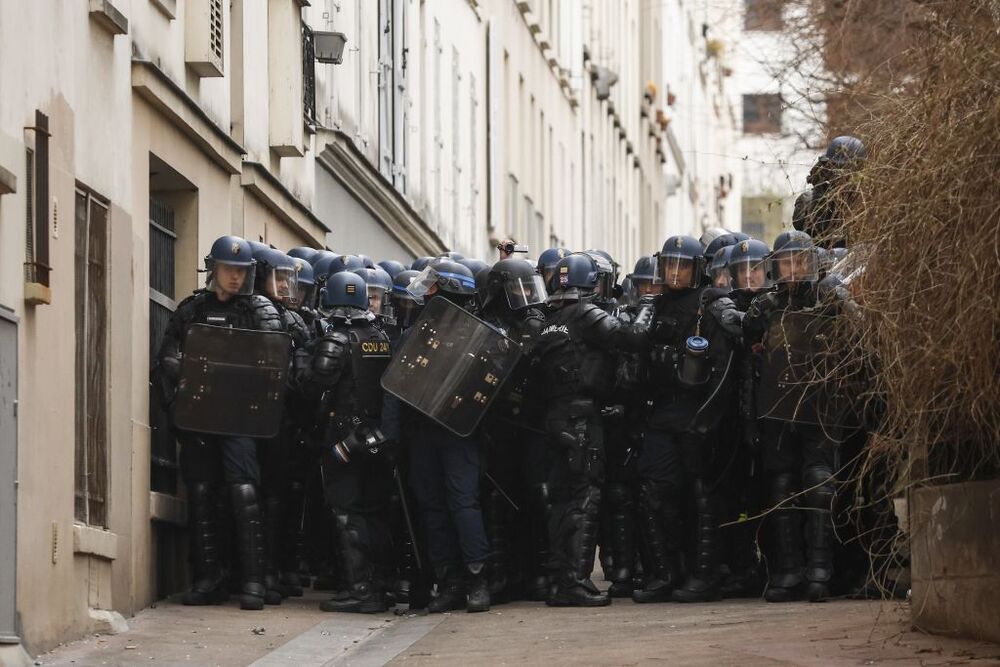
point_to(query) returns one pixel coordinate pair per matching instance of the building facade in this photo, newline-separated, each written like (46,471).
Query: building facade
(134,132)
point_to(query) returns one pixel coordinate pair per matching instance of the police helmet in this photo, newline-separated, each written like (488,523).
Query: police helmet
(680,263)
(232,251)
(794,258)
(344,289)
(748,265)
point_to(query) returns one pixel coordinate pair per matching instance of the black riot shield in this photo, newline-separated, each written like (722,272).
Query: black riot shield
(451,366)
(799,377)
(232,381)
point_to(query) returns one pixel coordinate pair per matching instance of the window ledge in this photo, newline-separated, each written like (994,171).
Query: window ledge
(37,294)
(8,182)
(108,17)
(167,508)
(94,542)
(168,7)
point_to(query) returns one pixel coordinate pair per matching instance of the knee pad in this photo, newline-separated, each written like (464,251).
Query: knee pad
(818,484)
(781,487)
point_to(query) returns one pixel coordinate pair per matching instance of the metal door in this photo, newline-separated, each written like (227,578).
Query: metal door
(8,477)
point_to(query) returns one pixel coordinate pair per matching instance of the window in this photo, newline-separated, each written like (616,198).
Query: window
(761,113)
(512,204)
(529,221)
(456,142)
(36,246)
(162,264)
(473,157)
(763,15)
(91,278)
(308,75)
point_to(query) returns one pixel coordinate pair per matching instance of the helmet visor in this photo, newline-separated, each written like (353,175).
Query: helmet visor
(282,283)
(720,277)
(232,279)
(676,271)
(305,296)
(799,265)
(378,303)
(430,279)
(749,274)
(525,291)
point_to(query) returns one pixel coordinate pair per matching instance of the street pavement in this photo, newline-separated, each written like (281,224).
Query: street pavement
(733,632)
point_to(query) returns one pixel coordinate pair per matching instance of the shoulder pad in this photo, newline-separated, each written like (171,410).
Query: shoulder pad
(591,315)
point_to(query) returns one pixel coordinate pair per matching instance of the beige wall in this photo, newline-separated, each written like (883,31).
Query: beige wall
(56,58)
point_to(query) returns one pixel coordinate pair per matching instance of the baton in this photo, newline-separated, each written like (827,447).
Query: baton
(406,517)
(503,493)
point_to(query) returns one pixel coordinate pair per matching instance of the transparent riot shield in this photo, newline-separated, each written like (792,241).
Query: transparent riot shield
(232,381)
(451,366)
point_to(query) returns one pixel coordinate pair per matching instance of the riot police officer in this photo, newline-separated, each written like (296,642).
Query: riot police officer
(799,434)
(547,262)
(444,469)
(347,363)
(575,352)
(209,463)
(517,461)
(689,379)
(624,437)
(818,210)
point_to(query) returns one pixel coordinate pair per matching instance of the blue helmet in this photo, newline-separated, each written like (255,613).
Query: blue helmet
(844,151)
(679,255)
(718,268)
(344,289)
(277,274)
(450,277)
(794,258)
(740,236)
(549,258)
(721,241)
(645,269)
(231,250)
(306,283)
(320,254)
(420,263)
(405,307)
(302,252)
(366,261)
(453,256)
(379,284)
(392,267)
(748,265)
(474,265)
(329,265)
(577,271)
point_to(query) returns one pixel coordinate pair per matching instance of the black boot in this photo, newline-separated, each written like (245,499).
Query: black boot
(207,588)
(575,587)
(703,584)
(541,507)
(478,589)
(249,545)
(451,591)
(621,517)
(819,533)
(495,518)
(362,595)
(785,564)
(659,518)
(292,544)
(274,591)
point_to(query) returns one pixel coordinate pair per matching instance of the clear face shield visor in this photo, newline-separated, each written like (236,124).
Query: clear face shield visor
(677,272)
(282,283)
(378,302)
(524,292)
(640,287)
(800,265)
(749,275)
(305,295)
(232,279)
(720,277)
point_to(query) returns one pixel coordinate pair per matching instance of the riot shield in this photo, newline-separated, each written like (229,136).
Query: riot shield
(451,366)
(799,377)
(232,381)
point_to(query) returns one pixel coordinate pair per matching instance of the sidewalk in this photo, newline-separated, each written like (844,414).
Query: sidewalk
(742,632)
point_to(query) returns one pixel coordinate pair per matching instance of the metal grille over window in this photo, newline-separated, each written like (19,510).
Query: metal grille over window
(162,241)
(29,217)
(308,75)
(215,36)
(91,278)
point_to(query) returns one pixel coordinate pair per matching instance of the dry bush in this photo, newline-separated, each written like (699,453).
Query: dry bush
(926,210)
